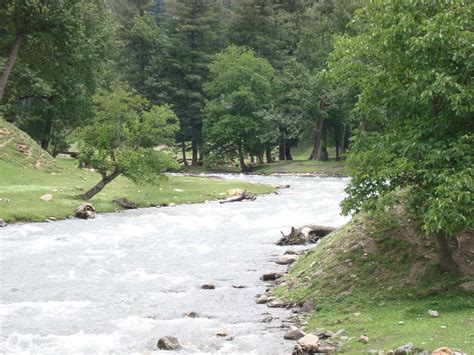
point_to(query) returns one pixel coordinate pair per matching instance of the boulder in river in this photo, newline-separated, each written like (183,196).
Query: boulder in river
(262,299)
(272,276)
(208,287)
(287,259)
(85,211)
(2,223)
(191,314)
(168,343)
(305,235)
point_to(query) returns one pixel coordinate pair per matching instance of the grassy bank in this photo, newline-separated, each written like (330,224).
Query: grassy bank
(27,173)
(324,168)
(378,277)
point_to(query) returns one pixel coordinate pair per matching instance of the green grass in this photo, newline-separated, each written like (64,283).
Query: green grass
(326,168)
(453,328)
(28,173)
(387,270)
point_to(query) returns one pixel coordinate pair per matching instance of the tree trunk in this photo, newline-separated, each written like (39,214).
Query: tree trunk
(268,153)
(9,64)
(343,140)
(243,167)
(260,157)
(100,185)
(183,151)
(281,150)
(288,151)
(252,159)
(338,144)
(317,153)
(445,255)
(48,128)
(194,148)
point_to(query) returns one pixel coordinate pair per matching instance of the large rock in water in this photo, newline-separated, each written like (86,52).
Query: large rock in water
(85,211)
(168,343)
(305,235)
(2,223)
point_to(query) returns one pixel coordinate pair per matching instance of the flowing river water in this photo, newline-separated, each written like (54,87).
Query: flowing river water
(118,283)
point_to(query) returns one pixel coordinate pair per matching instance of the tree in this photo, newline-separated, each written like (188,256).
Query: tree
(292,108)
(193,29)
(413,67)
(240,87)
(269,27)
(59,67)
(320,24)
(123,138)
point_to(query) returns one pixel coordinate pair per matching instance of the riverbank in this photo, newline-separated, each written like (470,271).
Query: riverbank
(375,283)
(330,168)
(21,189)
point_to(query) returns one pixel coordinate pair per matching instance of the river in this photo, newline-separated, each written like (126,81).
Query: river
(118,283)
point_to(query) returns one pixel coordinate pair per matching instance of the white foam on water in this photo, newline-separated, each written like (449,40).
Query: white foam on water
(118,283)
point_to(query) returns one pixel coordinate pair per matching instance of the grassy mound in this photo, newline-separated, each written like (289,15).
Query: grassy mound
(27,173)
(378,276)
(19,149)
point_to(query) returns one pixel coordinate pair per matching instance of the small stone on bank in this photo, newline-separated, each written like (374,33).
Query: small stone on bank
(2,223)
(294,334)
(47,197)
(404,350)
(307,344)
(287,259)
(168,343)
(364,339)
(433,313)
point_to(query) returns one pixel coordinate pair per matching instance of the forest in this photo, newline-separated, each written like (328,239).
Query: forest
(139,88)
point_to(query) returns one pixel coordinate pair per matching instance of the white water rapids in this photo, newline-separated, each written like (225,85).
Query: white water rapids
(118,283)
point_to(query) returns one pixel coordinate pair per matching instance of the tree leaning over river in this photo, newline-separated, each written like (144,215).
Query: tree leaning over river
(122,138)
(412,62)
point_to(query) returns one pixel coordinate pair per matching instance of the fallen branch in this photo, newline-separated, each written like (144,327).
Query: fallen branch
(240,197)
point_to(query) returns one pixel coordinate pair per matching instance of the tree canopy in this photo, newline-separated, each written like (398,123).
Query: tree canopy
(413,67)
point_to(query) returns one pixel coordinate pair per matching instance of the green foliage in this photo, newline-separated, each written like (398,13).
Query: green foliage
(413,67)
(123,136)
(61,62)
(240,86)
(193,29)
(293,105)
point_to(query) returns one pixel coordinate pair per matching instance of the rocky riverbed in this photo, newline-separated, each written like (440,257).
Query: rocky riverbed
(121,282)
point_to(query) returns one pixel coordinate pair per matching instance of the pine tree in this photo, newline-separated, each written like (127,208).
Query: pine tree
(193,28)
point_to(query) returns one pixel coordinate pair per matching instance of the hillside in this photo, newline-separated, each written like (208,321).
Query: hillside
(19,149)
(377,276)
(27,173)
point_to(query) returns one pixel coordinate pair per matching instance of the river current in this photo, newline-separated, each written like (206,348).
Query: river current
(118,283)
